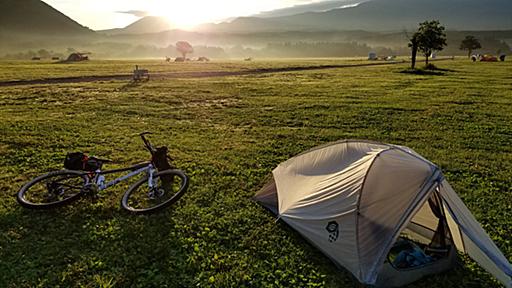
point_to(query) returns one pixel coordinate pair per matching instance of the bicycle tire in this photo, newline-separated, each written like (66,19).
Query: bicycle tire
(54,188)
(134,195)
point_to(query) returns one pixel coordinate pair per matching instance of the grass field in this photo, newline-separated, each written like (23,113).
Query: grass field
(228,133)
(30,70)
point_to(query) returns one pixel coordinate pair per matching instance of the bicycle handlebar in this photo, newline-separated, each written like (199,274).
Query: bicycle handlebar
(147,144)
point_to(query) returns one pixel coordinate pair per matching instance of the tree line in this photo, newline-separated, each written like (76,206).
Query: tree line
(431,38)
(288,49)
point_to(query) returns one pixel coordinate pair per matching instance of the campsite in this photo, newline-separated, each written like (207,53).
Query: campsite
(280,143)
(228,133)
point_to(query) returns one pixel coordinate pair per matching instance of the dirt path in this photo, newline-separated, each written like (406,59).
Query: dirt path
(170,75)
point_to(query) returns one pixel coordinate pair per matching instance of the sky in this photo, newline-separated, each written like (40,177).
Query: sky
(106,14)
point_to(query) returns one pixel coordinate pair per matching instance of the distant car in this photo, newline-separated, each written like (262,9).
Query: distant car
(488,58)
(485,58)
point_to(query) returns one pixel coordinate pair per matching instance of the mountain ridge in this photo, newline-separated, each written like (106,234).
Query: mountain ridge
(241,34)
(146,24)
(35,17)
(387,15)
(310,7)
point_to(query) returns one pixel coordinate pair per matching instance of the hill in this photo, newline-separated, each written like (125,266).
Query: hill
(311,7)
(34,17)
(386,15)
(40,27)
(148,24)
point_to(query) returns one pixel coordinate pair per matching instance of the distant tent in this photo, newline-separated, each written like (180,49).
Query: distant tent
(76,57)
(353,199)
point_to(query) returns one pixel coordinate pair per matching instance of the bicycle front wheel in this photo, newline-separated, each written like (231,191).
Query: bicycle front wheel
(53,189)
(166,188)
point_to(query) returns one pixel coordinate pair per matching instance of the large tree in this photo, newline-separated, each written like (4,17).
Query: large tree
(470,43)
(184,48)
(429,38)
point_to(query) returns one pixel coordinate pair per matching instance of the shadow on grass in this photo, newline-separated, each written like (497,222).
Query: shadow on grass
(129,85)
(71,245)
(422,72)
(430,69)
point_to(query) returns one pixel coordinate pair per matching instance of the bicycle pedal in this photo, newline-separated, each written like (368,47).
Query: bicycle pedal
(91,190)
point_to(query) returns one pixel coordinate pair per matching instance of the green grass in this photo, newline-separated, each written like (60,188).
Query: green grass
(228,134)
(31,70)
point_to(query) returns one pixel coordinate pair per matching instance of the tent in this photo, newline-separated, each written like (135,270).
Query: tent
(77,57)
(354,199)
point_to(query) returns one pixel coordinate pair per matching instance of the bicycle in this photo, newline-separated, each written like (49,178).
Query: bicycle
(161,186)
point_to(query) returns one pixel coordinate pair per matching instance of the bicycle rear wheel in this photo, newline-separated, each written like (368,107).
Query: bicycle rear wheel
(53,189)
(168,186)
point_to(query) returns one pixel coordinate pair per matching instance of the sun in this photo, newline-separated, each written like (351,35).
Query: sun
(187,14)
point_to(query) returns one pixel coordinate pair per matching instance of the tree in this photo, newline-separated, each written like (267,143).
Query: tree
(43,53)
(184,48)
(429,38)
(414,50)
(470,43)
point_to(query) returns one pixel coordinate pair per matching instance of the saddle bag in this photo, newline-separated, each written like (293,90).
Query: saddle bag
(80,161)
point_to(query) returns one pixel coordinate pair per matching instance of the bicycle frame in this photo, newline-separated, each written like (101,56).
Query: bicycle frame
(88,179)
(99,178)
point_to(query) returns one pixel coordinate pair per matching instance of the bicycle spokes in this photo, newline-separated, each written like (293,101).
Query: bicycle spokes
(56,189)
(153,193)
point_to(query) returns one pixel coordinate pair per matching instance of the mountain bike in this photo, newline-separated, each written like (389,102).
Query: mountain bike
(161,186)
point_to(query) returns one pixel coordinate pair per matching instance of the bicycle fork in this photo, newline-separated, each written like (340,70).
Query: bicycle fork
(154,191)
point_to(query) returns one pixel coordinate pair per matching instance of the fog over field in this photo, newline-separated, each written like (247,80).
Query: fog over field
(288,32)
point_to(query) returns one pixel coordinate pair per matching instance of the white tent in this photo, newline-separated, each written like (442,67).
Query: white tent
(352,200)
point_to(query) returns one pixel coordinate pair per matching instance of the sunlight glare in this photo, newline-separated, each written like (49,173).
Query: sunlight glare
(188,14)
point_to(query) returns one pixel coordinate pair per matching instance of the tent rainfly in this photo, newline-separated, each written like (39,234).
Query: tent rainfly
(354,199)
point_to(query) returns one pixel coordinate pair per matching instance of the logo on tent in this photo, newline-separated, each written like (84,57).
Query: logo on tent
(333,229)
